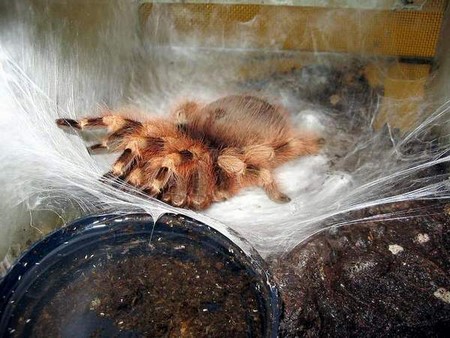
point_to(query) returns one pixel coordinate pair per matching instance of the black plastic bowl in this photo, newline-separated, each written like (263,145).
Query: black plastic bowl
(126,276)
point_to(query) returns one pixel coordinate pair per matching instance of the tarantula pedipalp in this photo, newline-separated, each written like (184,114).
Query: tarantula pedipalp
(204,152)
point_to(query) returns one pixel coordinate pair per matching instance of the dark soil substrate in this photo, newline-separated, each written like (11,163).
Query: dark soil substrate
(156,297)
(382,276)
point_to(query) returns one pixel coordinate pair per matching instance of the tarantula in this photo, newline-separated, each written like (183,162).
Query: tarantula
(204,152)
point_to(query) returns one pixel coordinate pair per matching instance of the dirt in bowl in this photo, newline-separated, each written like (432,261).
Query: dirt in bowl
(162,296)
(155,296)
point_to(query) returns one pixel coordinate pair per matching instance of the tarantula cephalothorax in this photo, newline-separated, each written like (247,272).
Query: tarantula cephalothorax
(203,153)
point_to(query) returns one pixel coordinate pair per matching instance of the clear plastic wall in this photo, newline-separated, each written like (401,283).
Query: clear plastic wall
(364,76)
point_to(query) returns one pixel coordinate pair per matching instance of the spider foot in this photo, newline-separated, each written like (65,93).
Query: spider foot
(68,123)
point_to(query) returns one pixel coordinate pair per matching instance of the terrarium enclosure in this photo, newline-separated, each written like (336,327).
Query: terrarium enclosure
(372,78)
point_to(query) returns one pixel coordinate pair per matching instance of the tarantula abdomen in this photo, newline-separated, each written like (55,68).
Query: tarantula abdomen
(202,153)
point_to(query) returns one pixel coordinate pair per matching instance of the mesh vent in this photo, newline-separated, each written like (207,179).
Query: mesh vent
(404,33)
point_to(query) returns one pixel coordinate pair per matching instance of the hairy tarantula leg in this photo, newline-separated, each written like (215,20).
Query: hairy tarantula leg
(123,163)
(231,164)
(267,182)
(259,153)
(176,193)
(95,122)
(203,195)
(195,190)
(109,142)
(113,141)
(96,148)
(179,195)
(295,147)
(135,176)
(161,179)
(112,122)
(275,194)
(68,123)
(121,168)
